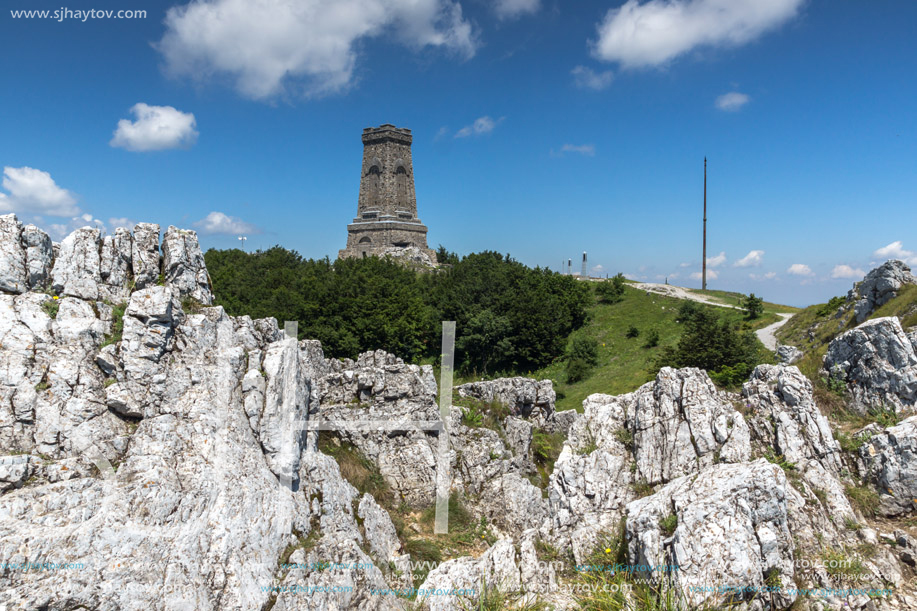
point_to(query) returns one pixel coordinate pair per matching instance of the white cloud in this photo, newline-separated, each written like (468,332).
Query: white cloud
(767,276)
(121,221)
(845,271)
(799,269)
(598,269)
(59,231)
(508,9)
(483,125)
(896,250)
(219,223)
(652,33)
(583,149)
(683,265)
(770,275)
(272,47)
(711,275)
(717,260)
(156,128)
(752,259)
(732,101)
(32,191)
(587,78)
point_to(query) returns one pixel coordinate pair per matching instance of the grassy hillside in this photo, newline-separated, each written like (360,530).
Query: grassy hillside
(736,299)
(812,329)
(625,362)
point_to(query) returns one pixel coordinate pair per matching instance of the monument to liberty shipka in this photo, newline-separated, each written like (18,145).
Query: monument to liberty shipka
(387,208)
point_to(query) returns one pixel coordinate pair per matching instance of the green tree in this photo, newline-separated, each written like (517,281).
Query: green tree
(754,306)
(611,291)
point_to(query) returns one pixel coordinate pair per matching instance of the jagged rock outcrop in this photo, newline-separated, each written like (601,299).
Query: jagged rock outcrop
(878,363)
(162,446)
(410,255)
(878,287)
(671,427)
(183,266)
(531,399)
(507,565)
(728,524)
(891,463)
(788,355)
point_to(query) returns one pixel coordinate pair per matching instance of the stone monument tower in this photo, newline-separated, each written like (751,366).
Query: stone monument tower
(387,209)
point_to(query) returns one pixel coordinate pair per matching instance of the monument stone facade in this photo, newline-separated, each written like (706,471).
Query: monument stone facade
(387,207)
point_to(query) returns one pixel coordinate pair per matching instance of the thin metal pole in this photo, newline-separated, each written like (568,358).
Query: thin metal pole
(704,275)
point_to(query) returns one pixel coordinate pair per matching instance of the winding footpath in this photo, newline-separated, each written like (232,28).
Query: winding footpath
(767,335)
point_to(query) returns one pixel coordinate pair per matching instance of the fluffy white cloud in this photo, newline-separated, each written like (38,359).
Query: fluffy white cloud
(222,224)
(156,128)
(683,265)
(587,78)
(752,259)
(483,125)
(770,275)
(895,250)
(308,46)
(732,101)
(767,276)
(655,32)
(121,221)
(59,231)
(845,271)
(799,269)
(32,191)
(598,269)
(711,275)
(717,260)
(507,9)
(583,149)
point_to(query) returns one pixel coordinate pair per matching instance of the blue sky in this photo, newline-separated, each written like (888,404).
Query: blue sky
(541,128)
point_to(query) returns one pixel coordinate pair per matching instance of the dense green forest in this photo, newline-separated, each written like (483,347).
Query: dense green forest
(509,317)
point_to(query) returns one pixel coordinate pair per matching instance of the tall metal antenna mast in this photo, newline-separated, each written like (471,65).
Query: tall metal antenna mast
(704,273)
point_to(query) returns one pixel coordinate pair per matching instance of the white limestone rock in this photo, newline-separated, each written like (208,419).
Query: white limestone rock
(39,257)
(878,287)
(878,362)
(145,255)
(13,274)
(788,355)
(183,265)
(76,267)
(730,527)
(525,397)
(891,461)
(115,266)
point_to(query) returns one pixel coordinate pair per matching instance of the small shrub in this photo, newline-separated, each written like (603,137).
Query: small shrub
(831,307)
(652,339)
(852,443)
(754,306)
(633,332)
(885,416)
(779,460)
(668,524)
(625,437)
(863,498)
(577,370)
(51,307)
(472,417)
(117,325)
(851,524)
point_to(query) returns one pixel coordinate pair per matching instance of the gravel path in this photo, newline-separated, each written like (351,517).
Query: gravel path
(766,335)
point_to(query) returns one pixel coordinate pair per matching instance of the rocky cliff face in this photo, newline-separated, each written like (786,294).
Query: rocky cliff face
(171,452)
(879,287)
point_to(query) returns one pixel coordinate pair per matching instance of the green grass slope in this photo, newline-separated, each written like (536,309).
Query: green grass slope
(813,328)
(625,363)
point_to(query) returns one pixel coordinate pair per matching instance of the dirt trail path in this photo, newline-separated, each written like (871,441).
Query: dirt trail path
(766,335)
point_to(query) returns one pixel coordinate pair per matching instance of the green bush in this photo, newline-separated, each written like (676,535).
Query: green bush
(509,317)
(754,306)
(652,339)
(611,291)
(633,332)
(712,343)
